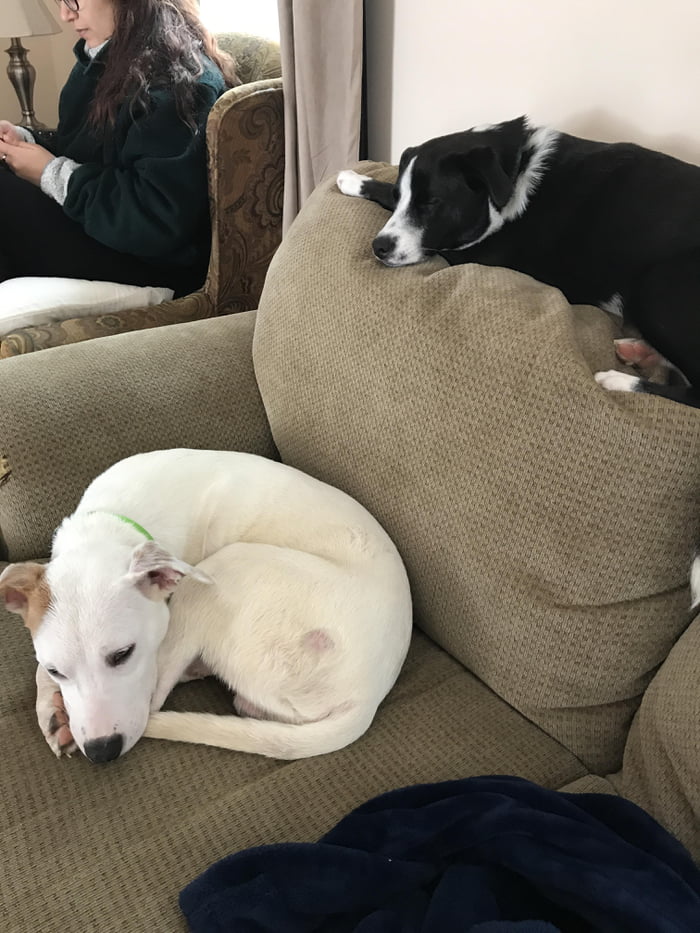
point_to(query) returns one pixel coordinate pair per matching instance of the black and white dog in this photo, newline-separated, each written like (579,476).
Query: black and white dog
(612,225)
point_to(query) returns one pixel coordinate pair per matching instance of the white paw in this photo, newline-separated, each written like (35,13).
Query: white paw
(351,182)
(695,582)
(617,382)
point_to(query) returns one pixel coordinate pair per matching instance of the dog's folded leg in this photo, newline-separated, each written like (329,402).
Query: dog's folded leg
(197,670)
(651,364)
(176,666)
(362,186)
(635,351)
(615,381)
(52,716)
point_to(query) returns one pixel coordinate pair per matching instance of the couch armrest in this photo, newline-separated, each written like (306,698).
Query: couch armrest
(70,412)
(40,337)
(245,143)
(662,755)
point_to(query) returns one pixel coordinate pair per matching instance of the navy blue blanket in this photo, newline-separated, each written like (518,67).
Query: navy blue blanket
(486,854)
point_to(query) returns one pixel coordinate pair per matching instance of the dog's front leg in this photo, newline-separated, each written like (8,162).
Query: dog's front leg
(362,186)
(52,716)
(197,670)
(176,662)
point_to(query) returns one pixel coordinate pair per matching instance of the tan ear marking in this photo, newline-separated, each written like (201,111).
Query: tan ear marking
(26,592)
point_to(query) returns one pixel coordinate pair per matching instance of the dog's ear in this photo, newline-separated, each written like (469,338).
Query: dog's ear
(512,135)
(156,573)
(406,157)
(495,163)
(18,583)
(482,165)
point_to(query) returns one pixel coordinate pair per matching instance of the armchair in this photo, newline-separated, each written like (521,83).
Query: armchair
(245,141)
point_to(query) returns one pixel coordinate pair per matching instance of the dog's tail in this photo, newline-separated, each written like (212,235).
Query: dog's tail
(264,736)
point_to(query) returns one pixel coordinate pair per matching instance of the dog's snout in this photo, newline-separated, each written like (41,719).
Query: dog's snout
(106,748)
(383,245)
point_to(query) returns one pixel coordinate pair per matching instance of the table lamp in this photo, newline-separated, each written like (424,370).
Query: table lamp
(24,18)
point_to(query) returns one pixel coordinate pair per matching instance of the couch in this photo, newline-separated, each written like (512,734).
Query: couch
(245,151)
(546,526)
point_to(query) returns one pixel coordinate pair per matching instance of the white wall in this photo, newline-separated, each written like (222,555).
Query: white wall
(605,69)
(258,17)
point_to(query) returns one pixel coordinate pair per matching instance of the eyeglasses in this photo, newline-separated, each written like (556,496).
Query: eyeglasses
(72,5)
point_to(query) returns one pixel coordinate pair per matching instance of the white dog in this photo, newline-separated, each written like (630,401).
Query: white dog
(299,602)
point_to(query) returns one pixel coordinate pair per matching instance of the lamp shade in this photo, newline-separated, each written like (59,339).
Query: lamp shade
(26,18)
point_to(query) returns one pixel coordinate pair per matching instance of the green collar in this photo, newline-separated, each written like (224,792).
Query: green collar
(129,521)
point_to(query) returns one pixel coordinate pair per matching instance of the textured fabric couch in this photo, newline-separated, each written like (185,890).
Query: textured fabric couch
(545,523)
(245,142)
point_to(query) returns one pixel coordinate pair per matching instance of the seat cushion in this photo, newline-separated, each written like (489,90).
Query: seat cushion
(106,847)
(31,300)
(546,523)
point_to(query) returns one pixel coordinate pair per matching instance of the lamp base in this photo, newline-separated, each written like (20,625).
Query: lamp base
(22,75)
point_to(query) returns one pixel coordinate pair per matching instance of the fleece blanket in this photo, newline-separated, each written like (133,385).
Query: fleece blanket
(486,854)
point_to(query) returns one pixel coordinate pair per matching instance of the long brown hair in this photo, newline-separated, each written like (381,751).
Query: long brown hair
(155,44)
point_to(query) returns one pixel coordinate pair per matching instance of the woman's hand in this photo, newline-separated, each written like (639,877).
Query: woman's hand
(8,133)
(27,160)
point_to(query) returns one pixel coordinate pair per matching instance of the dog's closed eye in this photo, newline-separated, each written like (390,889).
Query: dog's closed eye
(119,657)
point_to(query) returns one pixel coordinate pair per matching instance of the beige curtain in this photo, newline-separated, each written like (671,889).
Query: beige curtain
(321,44)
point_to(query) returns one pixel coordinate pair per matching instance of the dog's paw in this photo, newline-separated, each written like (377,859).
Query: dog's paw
(53,722)
(351,183)
(638,352)
(617,382)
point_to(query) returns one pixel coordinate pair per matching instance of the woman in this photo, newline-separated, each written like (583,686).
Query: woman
(120,193)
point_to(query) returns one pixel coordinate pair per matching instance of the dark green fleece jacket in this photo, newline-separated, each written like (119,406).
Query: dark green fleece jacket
(141,187)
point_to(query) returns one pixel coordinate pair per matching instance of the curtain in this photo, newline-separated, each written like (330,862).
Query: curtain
(321,46)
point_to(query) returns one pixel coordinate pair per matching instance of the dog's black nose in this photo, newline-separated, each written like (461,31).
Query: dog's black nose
(383,245)
(106,748)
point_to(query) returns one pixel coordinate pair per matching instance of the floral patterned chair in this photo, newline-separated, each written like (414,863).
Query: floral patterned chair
(245,139)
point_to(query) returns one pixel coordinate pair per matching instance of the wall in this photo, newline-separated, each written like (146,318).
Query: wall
(624,70)
(52,58)
(258,17)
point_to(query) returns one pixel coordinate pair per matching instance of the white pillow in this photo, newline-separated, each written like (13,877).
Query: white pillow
(34,300)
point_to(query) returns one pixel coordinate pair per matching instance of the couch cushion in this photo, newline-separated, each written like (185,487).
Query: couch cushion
(68,413)
(30,301)
(107,847)
(662,755)
(546,523)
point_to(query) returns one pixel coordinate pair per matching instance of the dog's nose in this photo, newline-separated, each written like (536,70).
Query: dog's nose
(383,245)
(106,748)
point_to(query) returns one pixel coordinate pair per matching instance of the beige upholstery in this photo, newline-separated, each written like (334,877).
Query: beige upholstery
(660,769)
(546,526)
(194,390)
(544,549)
(154,820)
